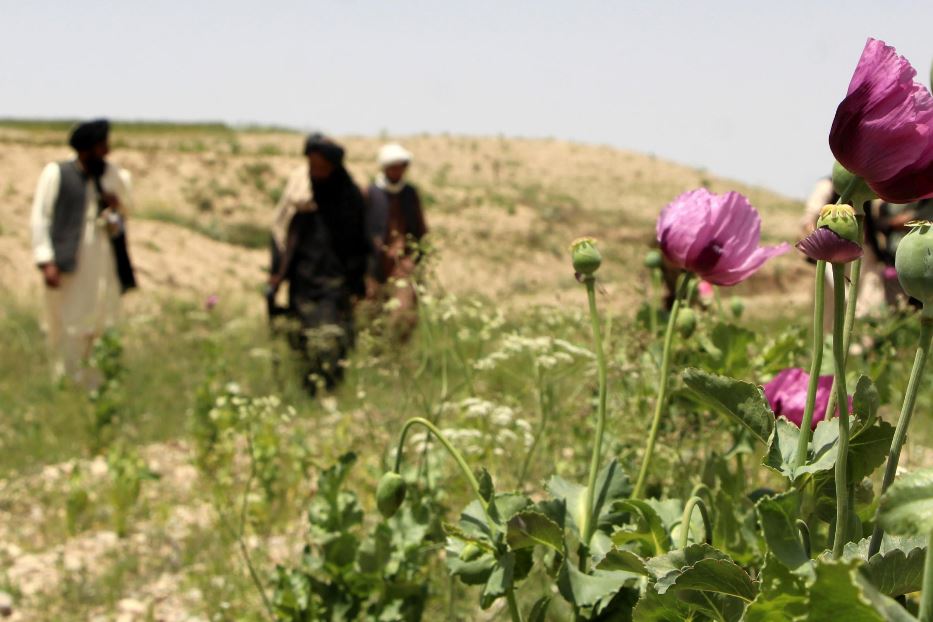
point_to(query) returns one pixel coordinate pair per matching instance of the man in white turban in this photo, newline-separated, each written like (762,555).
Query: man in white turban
(396,225)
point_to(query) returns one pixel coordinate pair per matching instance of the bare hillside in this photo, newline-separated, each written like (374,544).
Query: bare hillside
(502,210)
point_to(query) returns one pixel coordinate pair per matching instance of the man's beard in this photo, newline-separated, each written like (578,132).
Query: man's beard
(95,166)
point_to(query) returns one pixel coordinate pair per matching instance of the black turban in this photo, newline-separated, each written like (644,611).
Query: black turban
(329,150)
(87,135)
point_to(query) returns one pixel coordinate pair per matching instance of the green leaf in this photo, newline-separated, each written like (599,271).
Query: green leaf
(778,518)
(587,590)
(649,527)
(654,607)
(727,347)
(865,401)
(743,401)
(538,611)
(907,506)
(471,561)
(868,449)
(840,593)
(486,489)
(572,494)
(782,595)
(530,527)
(896,573)
(506,505)
(734,528)
(782,450)
(719,576)
(622,559)
(666,568)
(896,569)
(612,484)
(500,580)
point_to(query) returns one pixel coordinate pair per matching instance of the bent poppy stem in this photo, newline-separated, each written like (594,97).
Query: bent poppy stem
(903,421)
(695,502)
(589,520)
(803,441)
(839,361)
(456,455)
(662,387)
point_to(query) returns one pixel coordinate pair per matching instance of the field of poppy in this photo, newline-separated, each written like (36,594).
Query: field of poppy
(553,462)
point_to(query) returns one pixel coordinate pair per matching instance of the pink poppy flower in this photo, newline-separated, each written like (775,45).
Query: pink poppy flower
(715,236)
(787,394)
(883,129)
(211,301)
(705,289)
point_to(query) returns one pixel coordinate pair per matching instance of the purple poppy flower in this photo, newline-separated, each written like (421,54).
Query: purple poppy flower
(715,236)
(211,301)
(787,394)
(826,244)
(883,129)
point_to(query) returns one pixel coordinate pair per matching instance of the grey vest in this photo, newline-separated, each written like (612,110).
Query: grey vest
(68,215)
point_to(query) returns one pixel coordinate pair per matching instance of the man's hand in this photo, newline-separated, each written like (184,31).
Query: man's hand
(112,201)
(51,275)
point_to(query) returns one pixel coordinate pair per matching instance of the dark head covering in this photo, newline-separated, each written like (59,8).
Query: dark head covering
(86,135)
(331,151)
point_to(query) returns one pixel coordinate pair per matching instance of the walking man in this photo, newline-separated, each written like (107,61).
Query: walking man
(78,225)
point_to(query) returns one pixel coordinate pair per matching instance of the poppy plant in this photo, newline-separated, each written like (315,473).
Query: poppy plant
(715,236)
(883,129)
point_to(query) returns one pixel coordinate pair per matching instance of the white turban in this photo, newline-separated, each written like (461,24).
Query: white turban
(393,153)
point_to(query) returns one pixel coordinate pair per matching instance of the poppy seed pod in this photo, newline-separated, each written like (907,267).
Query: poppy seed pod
(842,179)
(914,263)
(654,259)
(390,494)
(585,255)
(737,305)
(686,322)
(840,219)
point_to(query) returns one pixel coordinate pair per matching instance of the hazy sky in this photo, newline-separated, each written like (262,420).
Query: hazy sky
(746,89)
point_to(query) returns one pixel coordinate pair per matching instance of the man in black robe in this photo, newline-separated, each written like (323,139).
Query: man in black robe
(324,259)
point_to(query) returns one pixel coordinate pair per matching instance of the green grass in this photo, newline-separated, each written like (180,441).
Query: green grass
(119,126)
(242,234)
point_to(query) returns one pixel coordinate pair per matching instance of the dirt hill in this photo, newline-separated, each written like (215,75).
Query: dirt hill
(502,210)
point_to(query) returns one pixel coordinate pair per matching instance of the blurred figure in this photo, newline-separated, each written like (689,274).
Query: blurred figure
(320,247)
(396,226)
(79,244)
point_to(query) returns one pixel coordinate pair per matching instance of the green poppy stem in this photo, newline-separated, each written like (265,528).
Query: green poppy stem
(854,279)
(926,596)
(456,455)
(589,524)
(514,611)
(903,421)
(839,361)
(682,290)
(694,502)
(803,441)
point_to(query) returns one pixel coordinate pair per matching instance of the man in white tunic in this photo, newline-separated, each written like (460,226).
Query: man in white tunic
(77,226)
